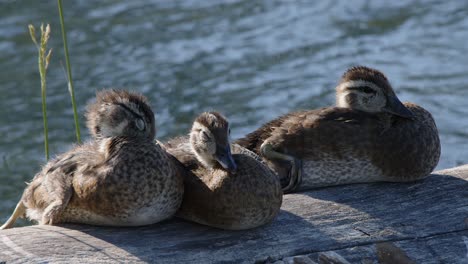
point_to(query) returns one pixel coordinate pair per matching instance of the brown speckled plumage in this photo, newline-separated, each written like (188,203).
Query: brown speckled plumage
(248,198)
(119,180)
(344,145)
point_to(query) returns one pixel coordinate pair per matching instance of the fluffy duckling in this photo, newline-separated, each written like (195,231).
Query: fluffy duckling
(223,190)
(121,178)
(369,136)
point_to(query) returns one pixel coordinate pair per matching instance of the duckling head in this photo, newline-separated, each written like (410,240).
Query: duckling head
(120,113)
(368,90)
(209,140)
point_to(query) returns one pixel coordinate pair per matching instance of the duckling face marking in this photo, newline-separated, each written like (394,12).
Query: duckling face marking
(111,130)
(362,95)
(203,142)
(120,113)
(368,90)
(209,139)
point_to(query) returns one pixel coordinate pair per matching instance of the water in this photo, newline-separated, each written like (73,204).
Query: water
(251,60)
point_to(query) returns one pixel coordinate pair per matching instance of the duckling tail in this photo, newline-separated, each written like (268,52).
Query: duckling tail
(20,211)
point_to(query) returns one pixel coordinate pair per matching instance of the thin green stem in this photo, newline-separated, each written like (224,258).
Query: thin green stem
(69,74)
(42,72)
(43,63)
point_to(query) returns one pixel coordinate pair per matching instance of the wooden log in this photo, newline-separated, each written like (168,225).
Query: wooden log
(421,222)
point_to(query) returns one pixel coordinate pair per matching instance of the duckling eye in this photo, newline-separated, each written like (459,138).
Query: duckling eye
(205,136)
(367,89)
(140,124)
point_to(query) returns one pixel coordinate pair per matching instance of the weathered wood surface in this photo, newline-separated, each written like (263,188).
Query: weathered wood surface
(422,222)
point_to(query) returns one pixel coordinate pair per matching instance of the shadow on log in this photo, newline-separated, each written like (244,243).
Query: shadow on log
(420,222)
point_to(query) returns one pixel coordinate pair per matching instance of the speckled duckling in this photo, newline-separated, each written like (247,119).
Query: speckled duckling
(223,190)
(369,136)
(120,178)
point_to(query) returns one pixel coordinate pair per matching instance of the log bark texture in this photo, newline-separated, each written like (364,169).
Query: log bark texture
(420,222)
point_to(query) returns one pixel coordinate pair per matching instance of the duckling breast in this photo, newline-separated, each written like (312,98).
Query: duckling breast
(410,149)
(248,198)
(139,185)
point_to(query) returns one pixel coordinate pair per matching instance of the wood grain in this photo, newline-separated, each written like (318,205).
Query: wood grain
(421,222)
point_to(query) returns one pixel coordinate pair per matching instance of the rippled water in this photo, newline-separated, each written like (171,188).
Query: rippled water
(251,60)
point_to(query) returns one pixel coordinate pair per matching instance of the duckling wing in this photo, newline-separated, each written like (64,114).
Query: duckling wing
(52,188)
(238,149)
(309,133)
(254,140)
(180,149)
(410,148)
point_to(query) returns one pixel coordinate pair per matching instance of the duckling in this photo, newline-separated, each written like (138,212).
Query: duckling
(223,190)
(119,178)
(369,136)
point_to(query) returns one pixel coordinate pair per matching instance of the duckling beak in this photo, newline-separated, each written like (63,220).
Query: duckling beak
(224,157)
(394,106)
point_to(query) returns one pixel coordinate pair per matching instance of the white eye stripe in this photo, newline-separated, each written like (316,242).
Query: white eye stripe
(355,84)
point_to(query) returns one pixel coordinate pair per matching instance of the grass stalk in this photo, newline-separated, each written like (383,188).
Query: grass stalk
(43,61)
(69,74)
